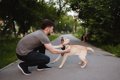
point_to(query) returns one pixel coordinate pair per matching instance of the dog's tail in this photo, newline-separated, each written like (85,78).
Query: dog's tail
(89,48)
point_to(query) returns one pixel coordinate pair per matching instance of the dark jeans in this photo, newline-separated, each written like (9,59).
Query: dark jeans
(35,58)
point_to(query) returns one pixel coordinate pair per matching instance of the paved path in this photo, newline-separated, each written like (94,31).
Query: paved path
(102,66)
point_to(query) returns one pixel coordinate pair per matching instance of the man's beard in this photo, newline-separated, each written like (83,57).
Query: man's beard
(49,34)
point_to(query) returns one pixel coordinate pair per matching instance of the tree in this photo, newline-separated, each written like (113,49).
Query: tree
(26,13)
(101,17)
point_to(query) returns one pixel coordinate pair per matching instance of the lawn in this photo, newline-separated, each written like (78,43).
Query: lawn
(7,51)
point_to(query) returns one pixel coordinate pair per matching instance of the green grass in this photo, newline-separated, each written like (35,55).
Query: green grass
(7,51)
(112,49)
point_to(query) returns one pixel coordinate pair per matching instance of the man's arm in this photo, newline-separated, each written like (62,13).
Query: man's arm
(58,46)
(55,51)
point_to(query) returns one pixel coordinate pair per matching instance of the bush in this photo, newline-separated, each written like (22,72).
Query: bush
(54,36)
(114,49)
(7,51)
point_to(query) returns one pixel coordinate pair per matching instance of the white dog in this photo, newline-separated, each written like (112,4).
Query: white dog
(79,50)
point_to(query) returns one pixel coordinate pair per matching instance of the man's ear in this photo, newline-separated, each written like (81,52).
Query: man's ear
(47,28)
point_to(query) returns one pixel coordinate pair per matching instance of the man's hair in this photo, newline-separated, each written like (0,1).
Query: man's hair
(47,23)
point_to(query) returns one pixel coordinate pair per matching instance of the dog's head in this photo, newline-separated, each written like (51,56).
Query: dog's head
(65,41)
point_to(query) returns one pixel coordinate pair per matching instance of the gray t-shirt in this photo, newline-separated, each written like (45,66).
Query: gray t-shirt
(31,41)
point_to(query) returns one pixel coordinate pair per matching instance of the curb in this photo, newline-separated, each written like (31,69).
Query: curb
(8,65)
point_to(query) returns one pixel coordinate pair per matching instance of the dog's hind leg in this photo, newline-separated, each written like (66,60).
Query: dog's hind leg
(56,59)
(83,59)
(84,62)
(63,61)
(81,62)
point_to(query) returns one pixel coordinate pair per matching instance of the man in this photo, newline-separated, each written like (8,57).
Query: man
(31,48)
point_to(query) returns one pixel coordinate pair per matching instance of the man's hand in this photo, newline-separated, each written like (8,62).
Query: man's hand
(67,50)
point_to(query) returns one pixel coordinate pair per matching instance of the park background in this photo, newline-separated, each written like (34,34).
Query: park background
(100,19)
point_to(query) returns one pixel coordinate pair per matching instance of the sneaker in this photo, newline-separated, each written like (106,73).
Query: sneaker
(24,69)
(40,68)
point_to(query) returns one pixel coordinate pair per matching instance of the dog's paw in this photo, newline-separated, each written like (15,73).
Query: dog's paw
(83,66)
(60,67)
(81,63)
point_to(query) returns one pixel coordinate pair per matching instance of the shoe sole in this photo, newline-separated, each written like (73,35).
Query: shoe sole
(43,69)
(40,69)
(22,70)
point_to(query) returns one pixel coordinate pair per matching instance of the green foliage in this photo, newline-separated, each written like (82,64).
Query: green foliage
(26,13)
(101,17)
(114,49)
(79,33)
(67,24)
(64,24)
(53,37)
(7,51)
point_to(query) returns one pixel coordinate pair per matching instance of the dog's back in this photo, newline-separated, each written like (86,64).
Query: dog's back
(78,49)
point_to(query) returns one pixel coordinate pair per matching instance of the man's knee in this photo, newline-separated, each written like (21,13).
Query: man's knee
(47,59)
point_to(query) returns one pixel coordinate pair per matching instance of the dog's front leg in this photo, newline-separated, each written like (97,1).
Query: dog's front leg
(63,61)
(56,59)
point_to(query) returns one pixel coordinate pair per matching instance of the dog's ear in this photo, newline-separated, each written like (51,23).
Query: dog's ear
(62,40)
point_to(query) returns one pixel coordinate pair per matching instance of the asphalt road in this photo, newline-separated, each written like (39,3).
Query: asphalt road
(102,66)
